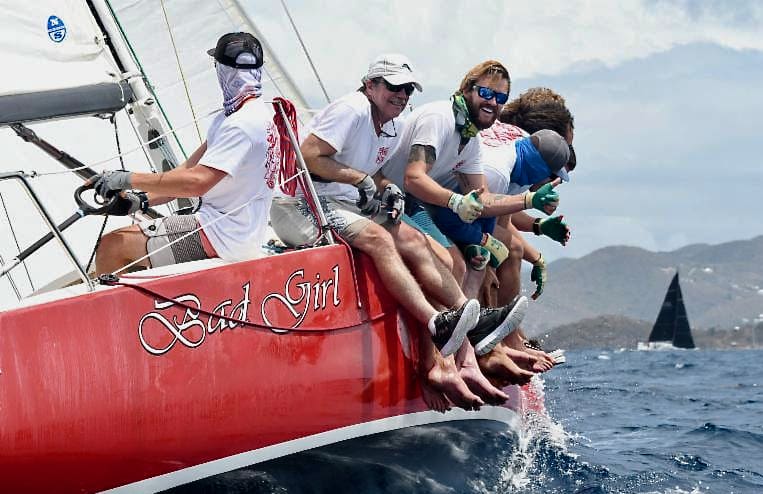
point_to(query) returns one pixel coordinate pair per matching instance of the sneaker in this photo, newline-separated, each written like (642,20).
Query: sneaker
(452,325)
(495,324)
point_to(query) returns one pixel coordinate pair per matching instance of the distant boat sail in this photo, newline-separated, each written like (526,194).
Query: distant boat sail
(672,325)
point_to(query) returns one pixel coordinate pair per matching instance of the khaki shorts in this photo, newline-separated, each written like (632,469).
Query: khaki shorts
(162,231)
(295,224)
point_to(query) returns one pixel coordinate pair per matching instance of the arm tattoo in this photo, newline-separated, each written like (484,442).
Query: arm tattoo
(463,183)
(423,153)
(490,199)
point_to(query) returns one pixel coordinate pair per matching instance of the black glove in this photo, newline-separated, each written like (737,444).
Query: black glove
(369,205)
(393,200)
(129,203)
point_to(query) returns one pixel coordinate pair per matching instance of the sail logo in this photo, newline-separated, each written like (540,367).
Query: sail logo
(56,29)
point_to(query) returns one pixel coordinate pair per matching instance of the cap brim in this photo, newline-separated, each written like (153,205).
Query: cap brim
(562,173)
(211,52)
(398,79)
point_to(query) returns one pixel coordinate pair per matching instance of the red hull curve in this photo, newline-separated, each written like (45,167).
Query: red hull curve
(113,387)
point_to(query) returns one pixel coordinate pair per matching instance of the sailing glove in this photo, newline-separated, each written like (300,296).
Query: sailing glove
(468,207)
(498,250)
(543,198)
(554,228)
(129,203)
(110,181)
(368,204)
(393,200)
(538,275)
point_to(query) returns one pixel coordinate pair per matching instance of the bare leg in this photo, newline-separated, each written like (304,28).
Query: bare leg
(119,248)
(434,277)
(466,361)
(375,241)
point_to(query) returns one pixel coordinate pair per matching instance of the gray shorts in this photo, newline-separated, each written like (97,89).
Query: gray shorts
(295,224)
(162,231)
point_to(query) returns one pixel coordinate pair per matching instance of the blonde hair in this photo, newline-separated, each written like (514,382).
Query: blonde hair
(487,68)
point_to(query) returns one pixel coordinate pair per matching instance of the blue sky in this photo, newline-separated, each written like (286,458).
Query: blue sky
(665,96)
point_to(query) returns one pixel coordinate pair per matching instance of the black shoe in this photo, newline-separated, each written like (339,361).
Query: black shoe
(452,325)
(495,324)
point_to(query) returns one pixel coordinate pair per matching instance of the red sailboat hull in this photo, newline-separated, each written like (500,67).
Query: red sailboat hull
(117,386)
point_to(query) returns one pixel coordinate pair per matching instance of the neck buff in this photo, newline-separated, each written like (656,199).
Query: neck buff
(529,167)
(464,125)
(238,85)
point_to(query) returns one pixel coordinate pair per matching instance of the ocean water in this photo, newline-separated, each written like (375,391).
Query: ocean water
(667,422)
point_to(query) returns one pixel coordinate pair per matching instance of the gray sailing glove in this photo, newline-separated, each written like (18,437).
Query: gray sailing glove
(393,200)
(367,203)
(110,181)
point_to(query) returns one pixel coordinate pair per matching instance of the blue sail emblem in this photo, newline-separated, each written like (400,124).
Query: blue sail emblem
(56,29)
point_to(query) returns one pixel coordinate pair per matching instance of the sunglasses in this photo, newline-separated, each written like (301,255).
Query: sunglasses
(488,94)
(408,88)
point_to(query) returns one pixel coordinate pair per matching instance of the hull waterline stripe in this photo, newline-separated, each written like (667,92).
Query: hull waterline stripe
(215,467)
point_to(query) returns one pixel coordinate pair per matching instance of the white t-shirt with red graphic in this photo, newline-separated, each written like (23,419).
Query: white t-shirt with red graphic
(245,146)
(499,155)
(434,125)
(347,126)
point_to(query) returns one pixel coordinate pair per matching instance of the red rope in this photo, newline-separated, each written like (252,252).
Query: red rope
(288,166)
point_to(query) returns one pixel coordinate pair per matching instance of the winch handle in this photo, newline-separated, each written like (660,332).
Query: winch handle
(86,208)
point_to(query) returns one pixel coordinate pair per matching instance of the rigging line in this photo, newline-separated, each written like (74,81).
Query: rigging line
(10,280)
(143,74)
(16,241)
(304,49)
(180,69)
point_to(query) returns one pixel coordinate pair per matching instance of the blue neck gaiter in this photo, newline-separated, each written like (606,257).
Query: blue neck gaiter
(529,168)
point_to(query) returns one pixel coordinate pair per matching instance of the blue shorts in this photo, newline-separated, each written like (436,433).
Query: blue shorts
(461,233)
(417,215)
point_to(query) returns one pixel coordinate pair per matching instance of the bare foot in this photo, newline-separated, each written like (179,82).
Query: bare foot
(444,377)
(525,360)
(498,365)
(514,340)
(434,399)
(470,372)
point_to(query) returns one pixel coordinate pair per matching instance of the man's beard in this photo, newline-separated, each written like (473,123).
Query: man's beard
(474,114)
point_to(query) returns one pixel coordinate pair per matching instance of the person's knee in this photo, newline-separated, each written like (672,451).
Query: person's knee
(409,239)
(516,253)
(374,240)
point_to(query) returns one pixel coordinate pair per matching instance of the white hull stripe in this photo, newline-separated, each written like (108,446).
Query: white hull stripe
(215,467)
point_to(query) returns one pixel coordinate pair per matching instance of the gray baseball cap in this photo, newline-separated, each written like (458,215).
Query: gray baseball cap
(554,151)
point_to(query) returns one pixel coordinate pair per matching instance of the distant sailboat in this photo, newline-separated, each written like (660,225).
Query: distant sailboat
(671,330)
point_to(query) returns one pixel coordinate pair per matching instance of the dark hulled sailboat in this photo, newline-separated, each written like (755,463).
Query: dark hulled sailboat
(672,325)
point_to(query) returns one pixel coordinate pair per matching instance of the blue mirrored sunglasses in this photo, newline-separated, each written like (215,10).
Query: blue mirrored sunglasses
(488,94)
(408,88)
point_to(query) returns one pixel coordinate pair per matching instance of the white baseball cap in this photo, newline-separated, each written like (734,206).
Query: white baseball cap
(393,68)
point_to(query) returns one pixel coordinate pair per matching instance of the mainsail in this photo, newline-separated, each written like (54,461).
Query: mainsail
(672,324)
(66,58)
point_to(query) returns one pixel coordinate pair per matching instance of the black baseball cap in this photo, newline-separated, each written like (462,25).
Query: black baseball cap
(231,45)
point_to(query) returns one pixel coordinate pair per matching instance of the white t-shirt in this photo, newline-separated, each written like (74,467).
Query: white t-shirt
(499,154)
(434,125)
(346,125)
(245,146)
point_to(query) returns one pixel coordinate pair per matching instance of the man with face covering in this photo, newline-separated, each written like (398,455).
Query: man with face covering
(233,172)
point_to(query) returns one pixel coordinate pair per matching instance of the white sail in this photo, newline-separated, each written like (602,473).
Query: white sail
(51,44)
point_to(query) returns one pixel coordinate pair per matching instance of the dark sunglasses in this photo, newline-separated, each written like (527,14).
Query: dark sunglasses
(408,88)
(488,94)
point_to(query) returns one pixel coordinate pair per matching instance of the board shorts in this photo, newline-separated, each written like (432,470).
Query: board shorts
(162,231)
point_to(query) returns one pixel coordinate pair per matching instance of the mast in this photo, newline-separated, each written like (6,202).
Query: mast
(143,107)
